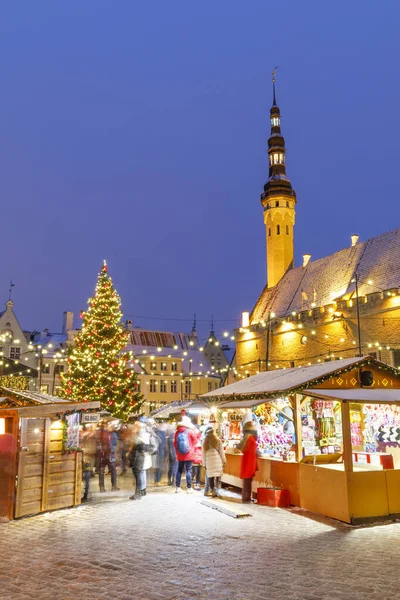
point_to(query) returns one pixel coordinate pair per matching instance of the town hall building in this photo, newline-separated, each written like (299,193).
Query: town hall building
(343,305)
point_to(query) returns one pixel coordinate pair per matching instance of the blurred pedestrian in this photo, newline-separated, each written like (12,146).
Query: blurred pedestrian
(172,460)
(214,459)
(197,461)
(159,462)
(184,442)
(137,457)
(106,455)
(248,465)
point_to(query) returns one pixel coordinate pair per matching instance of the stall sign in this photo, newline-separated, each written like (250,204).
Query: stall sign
(235,417)
(90,417)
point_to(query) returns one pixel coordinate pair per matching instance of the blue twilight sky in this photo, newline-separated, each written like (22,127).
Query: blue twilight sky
(136,131)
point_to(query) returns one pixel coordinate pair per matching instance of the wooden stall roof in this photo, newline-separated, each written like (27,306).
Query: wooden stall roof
(364,395)
(282,382)
(29,403)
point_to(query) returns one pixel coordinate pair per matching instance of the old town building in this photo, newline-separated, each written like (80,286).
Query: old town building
(170,366)
(343,305)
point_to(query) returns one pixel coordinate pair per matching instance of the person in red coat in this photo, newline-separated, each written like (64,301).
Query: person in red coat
(248,465)
(185,441)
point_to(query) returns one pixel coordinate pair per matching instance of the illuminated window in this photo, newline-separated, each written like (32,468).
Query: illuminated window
(188,387)
(163,386)
(46,369)
(163,366)
(15,353)
(44,389)
(278,230)
(60,368)
(210,386)
(275,121)
(153,366)
(174,366)
(153,385)
(269,231)
(277,203)
(287,203)
(174,386)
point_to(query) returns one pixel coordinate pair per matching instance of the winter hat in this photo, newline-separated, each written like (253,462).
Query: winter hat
(186,421)
(183,413)
(208,429)
(249,426)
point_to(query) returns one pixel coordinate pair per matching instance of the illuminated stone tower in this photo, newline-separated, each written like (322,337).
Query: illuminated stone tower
(278,201)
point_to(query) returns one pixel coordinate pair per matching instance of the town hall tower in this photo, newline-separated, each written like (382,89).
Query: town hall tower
(278,201)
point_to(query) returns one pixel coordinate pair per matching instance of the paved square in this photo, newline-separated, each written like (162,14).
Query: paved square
(171,547)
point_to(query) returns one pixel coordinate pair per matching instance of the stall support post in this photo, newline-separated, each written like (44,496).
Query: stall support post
(296,403)
(346,430)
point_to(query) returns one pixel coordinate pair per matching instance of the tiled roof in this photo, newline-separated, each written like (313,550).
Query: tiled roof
(330,278)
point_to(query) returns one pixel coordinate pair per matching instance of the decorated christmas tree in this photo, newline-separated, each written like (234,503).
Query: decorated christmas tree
(98,367)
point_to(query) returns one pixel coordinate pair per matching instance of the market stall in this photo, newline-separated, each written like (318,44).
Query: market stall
(40,461)
(329,433)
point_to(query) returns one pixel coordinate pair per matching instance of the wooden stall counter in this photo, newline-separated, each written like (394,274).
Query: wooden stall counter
(272,472)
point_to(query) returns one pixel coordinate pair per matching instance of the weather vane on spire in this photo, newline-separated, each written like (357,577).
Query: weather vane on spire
(10,290)
(273,84)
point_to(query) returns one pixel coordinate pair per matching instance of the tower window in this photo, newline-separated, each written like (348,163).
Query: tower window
(275,121)
(287,229)
(287,203)
(269,231)
(278,230)
(277,158)
(277,203)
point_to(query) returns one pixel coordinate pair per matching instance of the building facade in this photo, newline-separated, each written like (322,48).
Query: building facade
(343,305)
(170,367)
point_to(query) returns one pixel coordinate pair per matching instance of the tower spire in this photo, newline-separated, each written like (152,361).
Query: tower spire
(273,87)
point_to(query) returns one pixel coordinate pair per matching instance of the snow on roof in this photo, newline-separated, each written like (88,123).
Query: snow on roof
(329,278)
(282,380)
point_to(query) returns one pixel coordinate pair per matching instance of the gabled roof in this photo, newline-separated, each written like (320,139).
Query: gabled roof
(330,278)
(285,381)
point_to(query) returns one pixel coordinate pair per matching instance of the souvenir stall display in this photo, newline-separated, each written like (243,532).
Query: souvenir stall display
(321,427)
(276,430)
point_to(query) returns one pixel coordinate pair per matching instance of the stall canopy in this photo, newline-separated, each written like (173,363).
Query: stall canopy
(285,381)
(175,407)
(27,403)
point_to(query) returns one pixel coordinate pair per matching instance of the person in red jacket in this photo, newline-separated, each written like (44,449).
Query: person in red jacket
(248,465)
(185,441)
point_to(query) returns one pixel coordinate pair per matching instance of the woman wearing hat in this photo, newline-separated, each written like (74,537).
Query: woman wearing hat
(248,465)
(214,459)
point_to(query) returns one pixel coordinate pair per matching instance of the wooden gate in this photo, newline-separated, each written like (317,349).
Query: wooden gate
(47,479)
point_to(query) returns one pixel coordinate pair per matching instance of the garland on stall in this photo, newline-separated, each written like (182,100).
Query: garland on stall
(266,396)
(20,382)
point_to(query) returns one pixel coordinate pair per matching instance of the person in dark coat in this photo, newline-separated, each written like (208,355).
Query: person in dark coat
(172,460)
(248,465)
(106,455)
(160,456)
